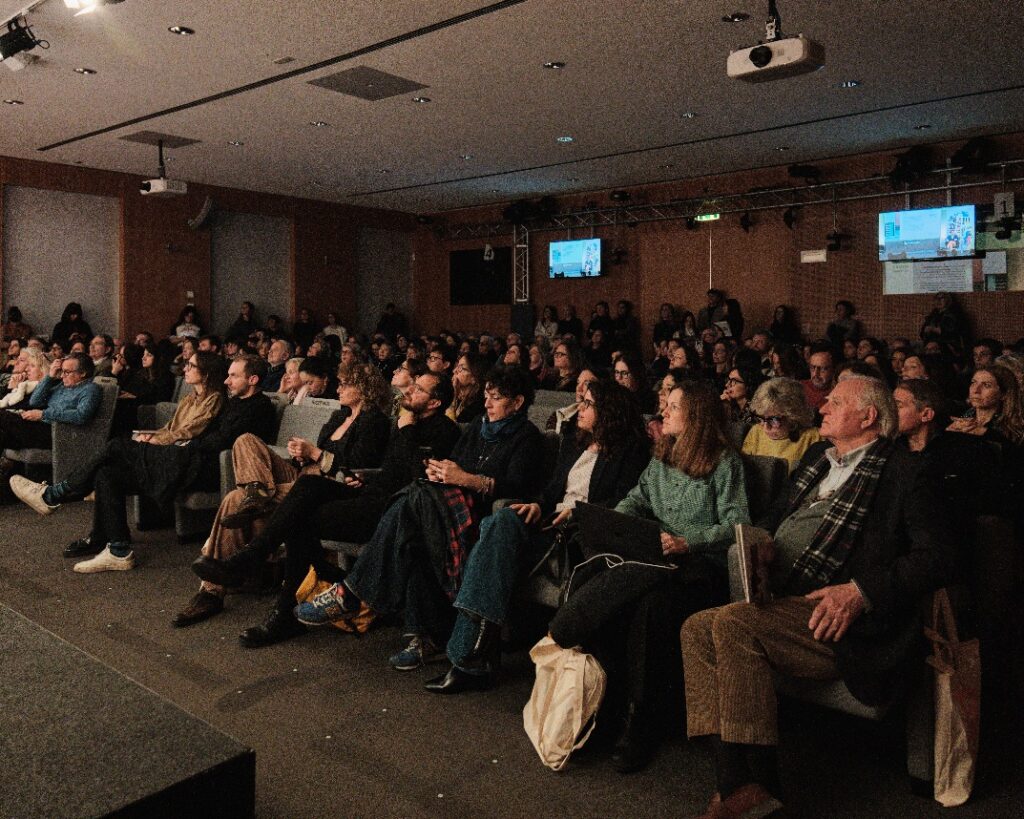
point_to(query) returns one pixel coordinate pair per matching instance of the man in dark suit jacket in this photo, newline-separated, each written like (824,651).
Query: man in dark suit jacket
(858,547)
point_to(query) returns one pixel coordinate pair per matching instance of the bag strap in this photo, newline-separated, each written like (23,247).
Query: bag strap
(942,633)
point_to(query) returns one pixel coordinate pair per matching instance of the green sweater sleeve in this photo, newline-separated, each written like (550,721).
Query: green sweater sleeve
(730,499)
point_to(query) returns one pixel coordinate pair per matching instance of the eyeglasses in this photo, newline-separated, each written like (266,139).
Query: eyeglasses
(560,353)
(64,371)
(771,420)
(435,357)
(732,382)
(621,375)
(587,403)
(188,365)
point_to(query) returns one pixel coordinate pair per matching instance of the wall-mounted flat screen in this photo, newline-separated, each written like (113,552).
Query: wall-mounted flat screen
(931,233)
(574,260)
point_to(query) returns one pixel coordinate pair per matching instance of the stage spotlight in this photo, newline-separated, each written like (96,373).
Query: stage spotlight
(746,222)
(88,6)
(16,39)
(789,217)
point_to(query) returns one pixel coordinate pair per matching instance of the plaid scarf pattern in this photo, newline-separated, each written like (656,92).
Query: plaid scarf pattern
(835,538)
(463,532)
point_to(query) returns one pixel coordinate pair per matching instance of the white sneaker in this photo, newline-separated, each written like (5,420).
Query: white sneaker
(31,494)
(106,562)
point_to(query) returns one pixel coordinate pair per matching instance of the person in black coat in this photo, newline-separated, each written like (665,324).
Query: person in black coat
(860,544)
(417,555)
(599,464)
(321,507)
(72,323)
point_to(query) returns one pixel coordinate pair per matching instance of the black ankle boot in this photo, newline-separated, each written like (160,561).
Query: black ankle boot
(636,745)
(485,655)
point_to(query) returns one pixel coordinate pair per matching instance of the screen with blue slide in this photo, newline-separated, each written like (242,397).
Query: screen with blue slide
(932,233)
(575,260)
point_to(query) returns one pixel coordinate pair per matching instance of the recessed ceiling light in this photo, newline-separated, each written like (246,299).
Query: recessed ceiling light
(849,84)
(13,102)
(666,166)
(565,139)
(555,64)
(573,179)
(736,17)
(466,156)
(495,190)
(924,126)
(85,70)
(236,143)
(183,31)
(782,148)
(421,99)
(318,123)
(688,114)
(385,170)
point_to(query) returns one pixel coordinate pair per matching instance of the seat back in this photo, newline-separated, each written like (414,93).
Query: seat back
(764,478)
(303,422)
(73,445)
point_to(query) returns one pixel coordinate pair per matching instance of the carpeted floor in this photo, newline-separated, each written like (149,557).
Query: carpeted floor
(338,733)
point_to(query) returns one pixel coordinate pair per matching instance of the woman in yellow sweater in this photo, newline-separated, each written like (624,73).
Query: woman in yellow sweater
(786,422)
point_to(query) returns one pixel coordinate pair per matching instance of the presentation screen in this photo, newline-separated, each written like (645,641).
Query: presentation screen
(932,233)
(574,260)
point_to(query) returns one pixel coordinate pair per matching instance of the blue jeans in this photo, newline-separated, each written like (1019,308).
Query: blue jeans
(488,578)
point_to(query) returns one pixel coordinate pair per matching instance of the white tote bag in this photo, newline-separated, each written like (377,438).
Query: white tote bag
(562,709)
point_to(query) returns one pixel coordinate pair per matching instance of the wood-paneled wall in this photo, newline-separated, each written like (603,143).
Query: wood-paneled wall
(162,258)
(666,262)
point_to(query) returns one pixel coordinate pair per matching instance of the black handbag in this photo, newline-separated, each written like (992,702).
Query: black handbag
(560,558)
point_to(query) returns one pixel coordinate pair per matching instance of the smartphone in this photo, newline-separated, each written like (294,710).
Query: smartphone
(345,472)
(426,453)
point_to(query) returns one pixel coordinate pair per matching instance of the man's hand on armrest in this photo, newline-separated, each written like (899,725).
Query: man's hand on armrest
(838,606)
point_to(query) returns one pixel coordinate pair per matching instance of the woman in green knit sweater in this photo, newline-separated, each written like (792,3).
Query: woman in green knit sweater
(629,615)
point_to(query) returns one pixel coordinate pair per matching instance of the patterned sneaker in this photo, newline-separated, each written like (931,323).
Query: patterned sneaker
(106,561)
(332,604)
(419,652)
(31,494)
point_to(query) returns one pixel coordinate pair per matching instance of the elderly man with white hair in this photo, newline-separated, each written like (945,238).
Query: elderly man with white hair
(859,545)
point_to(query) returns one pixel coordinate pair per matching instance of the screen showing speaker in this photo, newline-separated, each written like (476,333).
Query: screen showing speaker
(931,233)
(574,260)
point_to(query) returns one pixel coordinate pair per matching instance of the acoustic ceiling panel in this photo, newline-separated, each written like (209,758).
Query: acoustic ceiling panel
(154,137)
(367,83)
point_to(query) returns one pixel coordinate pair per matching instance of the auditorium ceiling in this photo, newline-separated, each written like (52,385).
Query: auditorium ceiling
(317,98)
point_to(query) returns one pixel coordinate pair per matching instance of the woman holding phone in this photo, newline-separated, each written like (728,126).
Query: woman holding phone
(355,436)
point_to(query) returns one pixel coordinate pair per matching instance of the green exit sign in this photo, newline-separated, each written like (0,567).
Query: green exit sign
(708,217)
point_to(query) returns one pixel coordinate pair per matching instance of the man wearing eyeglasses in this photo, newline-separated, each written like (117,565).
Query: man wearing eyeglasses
(67,395)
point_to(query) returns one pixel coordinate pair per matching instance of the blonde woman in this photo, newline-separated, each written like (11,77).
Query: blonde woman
(785,423)
(36,365)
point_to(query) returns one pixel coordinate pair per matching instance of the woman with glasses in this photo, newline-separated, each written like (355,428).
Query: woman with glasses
(467,382)
(416,559)
(629,613)
(629,372)
(784,426)
(568,362)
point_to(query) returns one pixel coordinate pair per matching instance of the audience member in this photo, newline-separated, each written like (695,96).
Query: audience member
(571,325)
(860,545)
(23,383)
(548,324)
(625,328)
(784,427)
(946,323)
(629,373)
(71,327)
(304,329)
(629,614)
(187,325)
(245,324)
(333,328)
(392,323)
(713,312)
(823,370)
(843,327)
(667,325)
(600,320)
(598,353)
(14,327)
(784,326)
(280,352)
(468,384)
(66,395)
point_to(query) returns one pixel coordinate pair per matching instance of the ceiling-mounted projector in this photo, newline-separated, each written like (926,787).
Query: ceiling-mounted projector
(776,59)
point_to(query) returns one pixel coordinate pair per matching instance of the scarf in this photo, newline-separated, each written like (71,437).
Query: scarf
(831,545)
(462,533)
(494,431)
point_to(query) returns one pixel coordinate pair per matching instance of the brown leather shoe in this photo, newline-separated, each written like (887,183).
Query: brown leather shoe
(749,802)
(201,607)
(254,505)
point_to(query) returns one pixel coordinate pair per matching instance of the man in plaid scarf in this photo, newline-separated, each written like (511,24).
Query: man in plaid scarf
(859,545)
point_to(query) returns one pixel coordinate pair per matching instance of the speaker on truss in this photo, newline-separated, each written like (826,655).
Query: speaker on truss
(523,321)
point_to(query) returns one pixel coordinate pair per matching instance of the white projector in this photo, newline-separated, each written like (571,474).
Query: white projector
(163,187)
(776,59)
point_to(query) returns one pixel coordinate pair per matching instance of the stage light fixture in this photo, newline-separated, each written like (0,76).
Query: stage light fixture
(746,222)
(81,7)
(17,38)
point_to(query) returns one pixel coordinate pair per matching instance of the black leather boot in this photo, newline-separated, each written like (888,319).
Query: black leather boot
(485,655)
(637,744)
(229,573)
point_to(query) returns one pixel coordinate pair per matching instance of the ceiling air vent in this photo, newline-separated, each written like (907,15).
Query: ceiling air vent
(367,84)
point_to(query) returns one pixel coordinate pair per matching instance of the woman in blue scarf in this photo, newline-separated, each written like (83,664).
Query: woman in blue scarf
(417,554)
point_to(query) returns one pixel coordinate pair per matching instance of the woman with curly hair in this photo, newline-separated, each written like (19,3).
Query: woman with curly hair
(355,436)
(600,465)
(785,424)
(629,613)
